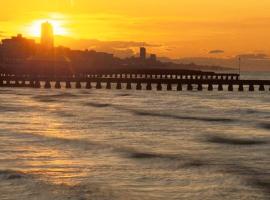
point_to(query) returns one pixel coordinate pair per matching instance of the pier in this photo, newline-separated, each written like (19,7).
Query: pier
(140,79)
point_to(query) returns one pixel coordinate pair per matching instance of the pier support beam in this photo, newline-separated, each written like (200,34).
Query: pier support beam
(108,85)
(159,87)
(148,86)
(37,84)
(261,88)
(210,87)
(139,86)
(169,86)
(241,88)
(118,86)
(8,83)
(189,87)
(31,84)
(200,88)
(17,83)
(220,87)
(251,88)
(230,87)
(1,83)
(98,86)
(179,87)
(88,85)
(23,83)
(78,85)
(47,85)
(129,86)
(68,85)
(57,85)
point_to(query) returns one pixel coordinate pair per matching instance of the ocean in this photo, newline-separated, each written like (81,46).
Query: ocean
(80,144)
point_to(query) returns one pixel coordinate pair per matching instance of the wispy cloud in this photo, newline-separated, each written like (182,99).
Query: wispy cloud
(216,51)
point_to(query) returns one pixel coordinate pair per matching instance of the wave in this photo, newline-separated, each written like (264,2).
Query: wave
(163,115)
(11,175)
(13,123)
(63,113)
(54,97)
(123,95)
(98,105)
(194,118)
(235,141)
(264,126)
(34,186)
(12,108)
(44,99)
(178,161)
(259,179)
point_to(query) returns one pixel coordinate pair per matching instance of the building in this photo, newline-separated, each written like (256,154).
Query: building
(143,53)
(153,58)
(17,48)
(47,36)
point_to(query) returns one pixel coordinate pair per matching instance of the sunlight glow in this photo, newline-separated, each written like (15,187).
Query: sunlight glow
(35,28)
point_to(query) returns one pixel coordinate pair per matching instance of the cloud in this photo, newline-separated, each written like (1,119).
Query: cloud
(216,51)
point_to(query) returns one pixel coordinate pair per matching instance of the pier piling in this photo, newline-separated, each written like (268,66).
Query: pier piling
(47,85)
(200,88)
(241,88)
(189,87)
(68,85)
(261,88)
(230,87)
(98,85)
(179,87)
(210,87)
(88,85)
(148,86)
(129,87)
(108,85)
(57,85)
(251,88)
(159,87)
(78,85)
(119,86)
(220,87)
(169,87)
(37,84)
(138,86)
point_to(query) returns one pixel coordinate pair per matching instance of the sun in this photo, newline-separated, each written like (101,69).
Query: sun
(58,27)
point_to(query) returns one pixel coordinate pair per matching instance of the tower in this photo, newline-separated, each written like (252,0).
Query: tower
(143,53)
(47,37)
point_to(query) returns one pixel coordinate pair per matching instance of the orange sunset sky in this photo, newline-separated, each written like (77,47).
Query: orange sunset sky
(174,28)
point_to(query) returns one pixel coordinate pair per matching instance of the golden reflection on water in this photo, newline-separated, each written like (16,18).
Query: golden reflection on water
(176,150)
(41,151)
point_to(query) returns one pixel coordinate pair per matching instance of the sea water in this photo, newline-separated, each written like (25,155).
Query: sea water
(93,144)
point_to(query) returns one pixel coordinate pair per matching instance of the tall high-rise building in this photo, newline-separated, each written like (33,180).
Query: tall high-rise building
(143,53)
(47,37)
